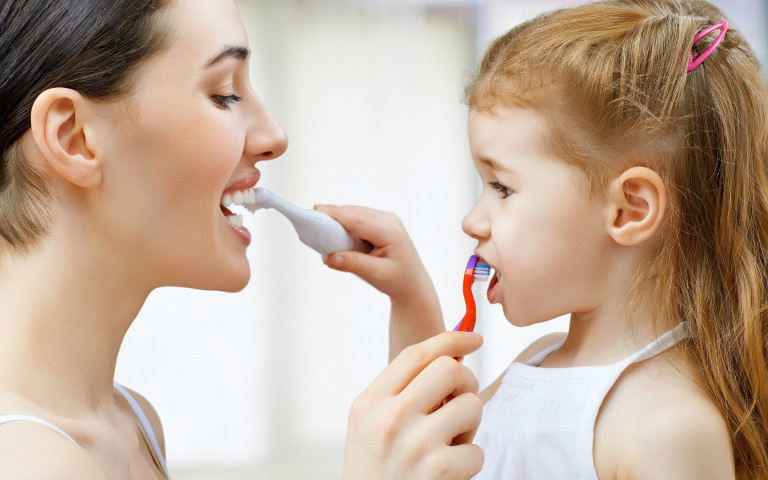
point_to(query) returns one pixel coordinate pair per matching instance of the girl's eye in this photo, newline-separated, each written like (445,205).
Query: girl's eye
(504,190)
(224,101)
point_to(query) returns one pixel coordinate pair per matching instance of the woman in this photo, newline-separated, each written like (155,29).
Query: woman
(122,125)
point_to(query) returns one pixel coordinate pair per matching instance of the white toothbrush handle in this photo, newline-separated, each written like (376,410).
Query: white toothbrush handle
(324,234)
(316,229)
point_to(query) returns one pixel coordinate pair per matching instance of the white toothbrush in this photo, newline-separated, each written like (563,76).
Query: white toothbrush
(315,229)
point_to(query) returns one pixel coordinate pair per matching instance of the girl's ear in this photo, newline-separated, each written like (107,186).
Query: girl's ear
(59,127)
(637,202)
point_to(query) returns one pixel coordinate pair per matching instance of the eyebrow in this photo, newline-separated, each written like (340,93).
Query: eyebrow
(238,53)
(494,165)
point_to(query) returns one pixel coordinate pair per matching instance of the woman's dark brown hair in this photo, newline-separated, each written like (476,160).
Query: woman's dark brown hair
(91,46)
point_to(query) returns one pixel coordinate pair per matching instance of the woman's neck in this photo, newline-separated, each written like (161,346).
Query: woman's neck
(66,308)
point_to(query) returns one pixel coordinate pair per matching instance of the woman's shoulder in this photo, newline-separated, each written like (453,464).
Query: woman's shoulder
(657,422)
(152,417)
(34,451)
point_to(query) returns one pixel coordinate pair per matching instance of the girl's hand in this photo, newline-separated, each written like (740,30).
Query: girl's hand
(394,268)
(393,432)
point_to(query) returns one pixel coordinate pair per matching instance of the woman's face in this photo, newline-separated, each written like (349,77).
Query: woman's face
(191,132)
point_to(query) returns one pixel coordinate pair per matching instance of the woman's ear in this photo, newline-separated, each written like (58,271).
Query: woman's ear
(59,127)
(637,201)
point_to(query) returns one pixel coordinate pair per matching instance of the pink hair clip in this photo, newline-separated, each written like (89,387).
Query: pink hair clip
(696,60)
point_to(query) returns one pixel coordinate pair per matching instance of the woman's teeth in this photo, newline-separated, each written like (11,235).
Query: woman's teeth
(235,220)
(240,198)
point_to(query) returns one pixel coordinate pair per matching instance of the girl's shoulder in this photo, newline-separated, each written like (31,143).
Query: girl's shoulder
(657,422)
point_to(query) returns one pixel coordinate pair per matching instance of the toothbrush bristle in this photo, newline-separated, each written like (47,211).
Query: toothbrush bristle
(482,271)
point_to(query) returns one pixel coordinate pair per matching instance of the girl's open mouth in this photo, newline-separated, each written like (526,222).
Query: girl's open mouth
(492,287)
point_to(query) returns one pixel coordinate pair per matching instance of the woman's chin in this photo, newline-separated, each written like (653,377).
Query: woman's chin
(235,282)
(230,280)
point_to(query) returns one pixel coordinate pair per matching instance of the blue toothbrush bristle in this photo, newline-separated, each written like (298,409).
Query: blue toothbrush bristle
(482,270)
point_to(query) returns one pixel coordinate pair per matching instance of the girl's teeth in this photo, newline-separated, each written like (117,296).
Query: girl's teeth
(237,198)
(227,200)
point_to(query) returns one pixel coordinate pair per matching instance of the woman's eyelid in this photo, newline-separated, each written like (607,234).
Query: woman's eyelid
(225,101)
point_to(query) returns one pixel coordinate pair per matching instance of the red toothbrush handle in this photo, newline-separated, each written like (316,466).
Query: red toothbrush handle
(467,323)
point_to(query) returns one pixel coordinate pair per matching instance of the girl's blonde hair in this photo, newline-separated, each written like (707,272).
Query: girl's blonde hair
(612,78)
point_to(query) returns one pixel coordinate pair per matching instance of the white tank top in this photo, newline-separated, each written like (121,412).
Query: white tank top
(540,423)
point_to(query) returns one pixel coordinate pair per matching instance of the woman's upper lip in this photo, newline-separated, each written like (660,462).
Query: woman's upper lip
(243,183)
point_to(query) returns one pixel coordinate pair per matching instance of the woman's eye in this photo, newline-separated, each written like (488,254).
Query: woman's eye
(224,101)
(504,190)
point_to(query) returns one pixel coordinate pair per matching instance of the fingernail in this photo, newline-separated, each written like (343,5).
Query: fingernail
(337,261)
(473,335)
(320,206)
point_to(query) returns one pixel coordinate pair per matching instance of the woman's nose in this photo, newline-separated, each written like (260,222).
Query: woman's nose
(476,224)
(265,139)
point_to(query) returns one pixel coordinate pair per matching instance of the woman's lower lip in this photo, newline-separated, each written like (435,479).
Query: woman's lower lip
(242,233)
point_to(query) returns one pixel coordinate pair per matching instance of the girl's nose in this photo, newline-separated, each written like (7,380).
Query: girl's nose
(265,139)
(476,224)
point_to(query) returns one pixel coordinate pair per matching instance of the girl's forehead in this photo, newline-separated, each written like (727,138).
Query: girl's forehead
(507,130)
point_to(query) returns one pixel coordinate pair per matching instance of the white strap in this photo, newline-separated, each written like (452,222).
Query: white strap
(662,343)
(29,418)
(144,421)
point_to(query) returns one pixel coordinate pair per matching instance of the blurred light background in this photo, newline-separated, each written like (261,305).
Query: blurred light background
(258,384)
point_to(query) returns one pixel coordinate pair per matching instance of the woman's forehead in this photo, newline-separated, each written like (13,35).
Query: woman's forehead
(201,28)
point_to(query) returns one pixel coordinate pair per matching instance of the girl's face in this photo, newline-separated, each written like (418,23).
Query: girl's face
(535,222)
(191,132)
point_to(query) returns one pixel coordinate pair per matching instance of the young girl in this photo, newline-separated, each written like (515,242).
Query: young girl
(122,126)
(623,148)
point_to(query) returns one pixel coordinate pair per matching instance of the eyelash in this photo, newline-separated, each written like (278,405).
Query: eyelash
(224,101)
(503,189)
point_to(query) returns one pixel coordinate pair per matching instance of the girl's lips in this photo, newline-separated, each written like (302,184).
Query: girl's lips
(493,288)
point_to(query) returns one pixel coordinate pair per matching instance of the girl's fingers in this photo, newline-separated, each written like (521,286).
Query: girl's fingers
(355,262)
(415,358)
(442,378)
(375,226)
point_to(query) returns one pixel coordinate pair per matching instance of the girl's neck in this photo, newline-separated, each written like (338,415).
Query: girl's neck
(66,308)
(603,336)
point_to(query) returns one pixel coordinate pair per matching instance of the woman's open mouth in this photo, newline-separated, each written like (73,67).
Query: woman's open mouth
(237,194)
(239,198)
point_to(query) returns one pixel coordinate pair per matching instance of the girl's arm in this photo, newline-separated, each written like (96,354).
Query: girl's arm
(394,268)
